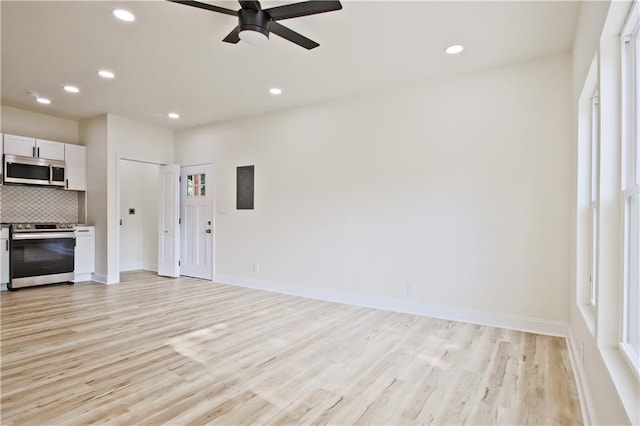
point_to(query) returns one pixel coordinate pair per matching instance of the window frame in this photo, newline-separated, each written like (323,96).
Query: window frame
(594,200)
(630,162)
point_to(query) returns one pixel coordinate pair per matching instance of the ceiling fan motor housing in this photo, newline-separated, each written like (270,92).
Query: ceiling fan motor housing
(254,20)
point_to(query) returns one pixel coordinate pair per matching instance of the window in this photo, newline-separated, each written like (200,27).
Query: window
(196,185)
(630,186)
(593,201)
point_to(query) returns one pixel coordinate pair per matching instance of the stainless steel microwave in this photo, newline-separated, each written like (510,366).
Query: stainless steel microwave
(33,171)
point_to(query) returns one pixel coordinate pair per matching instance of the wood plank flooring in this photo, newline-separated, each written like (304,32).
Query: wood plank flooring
(154,350)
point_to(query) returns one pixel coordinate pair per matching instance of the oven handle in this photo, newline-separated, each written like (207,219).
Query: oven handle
(43,235)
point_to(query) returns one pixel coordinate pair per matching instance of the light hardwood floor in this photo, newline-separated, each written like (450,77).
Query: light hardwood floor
(184,351)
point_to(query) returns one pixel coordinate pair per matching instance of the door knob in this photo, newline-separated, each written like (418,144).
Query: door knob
(208,231)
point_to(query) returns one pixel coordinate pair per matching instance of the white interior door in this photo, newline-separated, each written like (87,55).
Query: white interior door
(196,230)
(168,221)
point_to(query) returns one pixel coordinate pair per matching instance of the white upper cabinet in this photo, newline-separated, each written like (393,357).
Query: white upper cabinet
(19,145)
(50,150)
(75,157)
(30,147)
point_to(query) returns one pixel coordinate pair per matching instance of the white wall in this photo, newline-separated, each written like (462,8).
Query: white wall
(131,230)
(144,143)
(93,133)
(151,183)
(16,121)
(109,138)
(458,187)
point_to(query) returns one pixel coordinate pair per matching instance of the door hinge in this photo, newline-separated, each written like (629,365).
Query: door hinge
(178,263)
(179,221)
(179,178)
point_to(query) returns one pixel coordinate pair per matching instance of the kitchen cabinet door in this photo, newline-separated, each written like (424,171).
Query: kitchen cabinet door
(50,150)
(19,145)
(75,157)
(4,255)
(84,255)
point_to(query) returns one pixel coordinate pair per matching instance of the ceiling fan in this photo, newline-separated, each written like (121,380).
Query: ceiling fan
(255,23)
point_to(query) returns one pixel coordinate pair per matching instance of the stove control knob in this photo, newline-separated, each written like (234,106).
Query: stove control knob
(28,226)
(19,226)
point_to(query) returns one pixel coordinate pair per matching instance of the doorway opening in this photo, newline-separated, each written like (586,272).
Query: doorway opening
(138,215)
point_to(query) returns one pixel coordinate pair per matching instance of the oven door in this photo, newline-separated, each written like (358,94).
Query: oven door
(41,258)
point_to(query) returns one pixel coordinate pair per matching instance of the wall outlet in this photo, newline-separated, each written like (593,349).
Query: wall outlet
(411,290)
(256,267)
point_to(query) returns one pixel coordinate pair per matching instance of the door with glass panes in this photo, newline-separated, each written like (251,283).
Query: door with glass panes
(196,222)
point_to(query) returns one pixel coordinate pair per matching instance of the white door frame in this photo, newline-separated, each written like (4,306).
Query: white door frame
(117,220)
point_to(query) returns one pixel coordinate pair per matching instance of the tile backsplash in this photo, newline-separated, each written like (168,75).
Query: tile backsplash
(38,204)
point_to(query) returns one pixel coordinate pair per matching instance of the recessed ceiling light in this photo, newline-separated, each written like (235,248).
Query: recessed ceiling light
(124,15)
(454,49)
(275,91)
(42,100)
(71,89)
(173,115)
(106,74)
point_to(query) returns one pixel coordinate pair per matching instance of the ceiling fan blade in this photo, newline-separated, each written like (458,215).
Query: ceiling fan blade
(304,8)
(292,36)
(233,36)
(206,6)
(250,4)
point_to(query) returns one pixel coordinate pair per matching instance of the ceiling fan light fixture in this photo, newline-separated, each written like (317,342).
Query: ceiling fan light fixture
(253,26)
(253,37)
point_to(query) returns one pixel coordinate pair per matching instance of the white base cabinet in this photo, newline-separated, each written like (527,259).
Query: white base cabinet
(4,256)
(1,159)
(85,253)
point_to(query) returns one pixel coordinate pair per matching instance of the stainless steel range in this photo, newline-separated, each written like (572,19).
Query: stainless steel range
(41,253)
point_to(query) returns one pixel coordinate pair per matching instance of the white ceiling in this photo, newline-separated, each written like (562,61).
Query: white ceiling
(172,57)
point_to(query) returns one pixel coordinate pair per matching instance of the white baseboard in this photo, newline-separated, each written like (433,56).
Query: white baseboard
(150,267)
(3,287)
(584,396)
(513,322)
(99,278)
(80,278)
